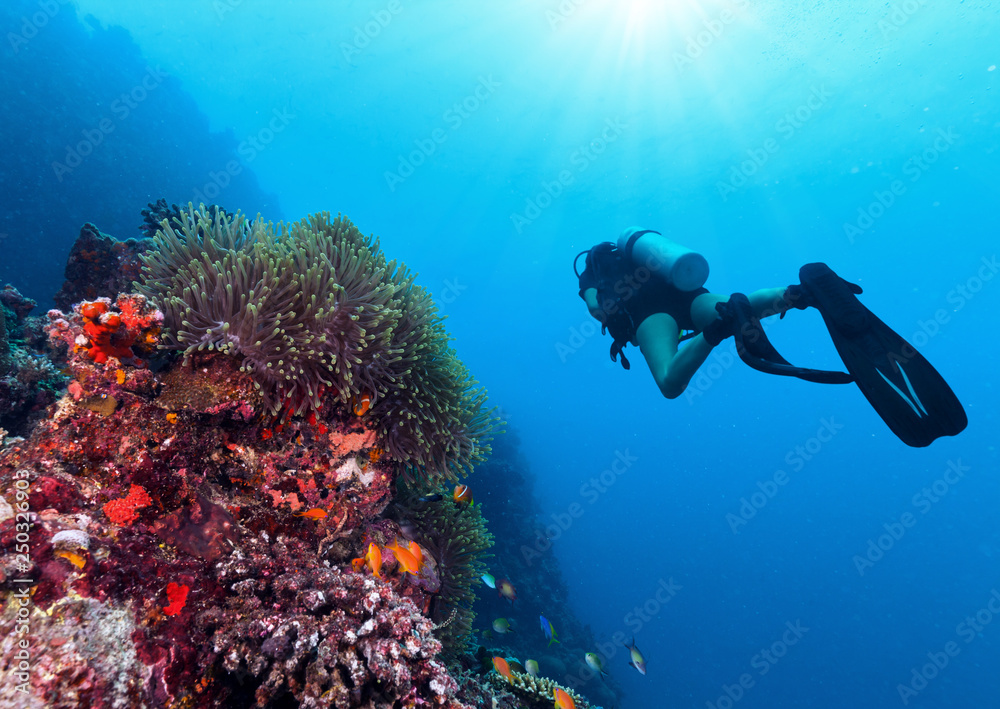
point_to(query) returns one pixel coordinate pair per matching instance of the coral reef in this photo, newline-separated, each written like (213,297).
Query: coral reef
(106,333)
(187,531)
(350,641)
(164,518)
(99,264)
(174,504)
(458,538)
(314,311)
(523,550)
(28,380)
(538,691)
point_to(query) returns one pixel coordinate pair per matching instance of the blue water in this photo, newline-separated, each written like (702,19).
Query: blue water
(488,143)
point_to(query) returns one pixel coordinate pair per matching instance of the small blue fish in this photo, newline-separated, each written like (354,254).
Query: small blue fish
(489,580)
(547,628)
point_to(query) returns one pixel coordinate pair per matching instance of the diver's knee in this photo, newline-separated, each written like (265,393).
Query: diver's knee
(671,389)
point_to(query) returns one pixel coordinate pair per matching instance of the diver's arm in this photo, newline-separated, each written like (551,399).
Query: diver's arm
(590,298)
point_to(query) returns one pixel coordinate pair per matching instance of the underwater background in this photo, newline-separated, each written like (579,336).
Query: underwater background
(767,542)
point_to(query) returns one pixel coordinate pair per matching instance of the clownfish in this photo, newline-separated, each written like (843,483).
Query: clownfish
(462,495)
(362,404)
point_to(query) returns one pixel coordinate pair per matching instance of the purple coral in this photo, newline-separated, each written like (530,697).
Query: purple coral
(325,637)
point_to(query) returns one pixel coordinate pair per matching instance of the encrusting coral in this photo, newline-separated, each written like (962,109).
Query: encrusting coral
(313,310)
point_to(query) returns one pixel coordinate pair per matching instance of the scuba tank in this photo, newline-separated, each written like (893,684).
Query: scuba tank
(677,265)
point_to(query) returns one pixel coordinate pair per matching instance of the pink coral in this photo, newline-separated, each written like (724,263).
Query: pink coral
(343,444)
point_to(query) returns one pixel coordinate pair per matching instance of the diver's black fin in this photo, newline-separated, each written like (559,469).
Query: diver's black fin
(757,351)
(903,388)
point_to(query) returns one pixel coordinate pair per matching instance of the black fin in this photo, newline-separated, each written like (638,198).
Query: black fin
(912,398)
(757,351)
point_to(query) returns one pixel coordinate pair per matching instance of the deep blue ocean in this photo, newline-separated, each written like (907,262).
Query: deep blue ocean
(767,542)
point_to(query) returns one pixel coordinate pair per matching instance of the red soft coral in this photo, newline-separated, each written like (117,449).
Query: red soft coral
(178,598)
(123,511)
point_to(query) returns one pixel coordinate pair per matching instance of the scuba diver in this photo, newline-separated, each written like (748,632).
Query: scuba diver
(648,291)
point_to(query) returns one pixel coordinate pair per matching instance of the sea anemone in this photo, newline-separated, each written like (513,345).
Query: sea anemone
(457,538)
(314,310)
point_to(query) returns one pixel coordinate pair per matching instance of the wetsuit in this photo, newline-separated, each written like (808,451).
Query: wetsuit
(640,300)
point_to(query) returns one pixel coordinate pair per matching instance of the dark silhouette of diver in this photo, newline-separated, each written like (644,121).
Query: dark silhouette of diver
(648,291)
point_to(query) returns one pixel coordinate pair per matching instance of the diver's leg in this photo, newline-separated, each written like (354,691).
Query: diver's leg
(769,301)
(703,309)
(765,303)
(658,337)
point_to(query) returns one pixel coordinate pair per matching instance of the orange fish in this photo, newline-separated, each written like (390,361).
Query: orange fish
(506,590)
(374,559)
(502,667)
(417,552)
(362,404)
(462,494)
(405,557)
(563,700)
(314,513)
